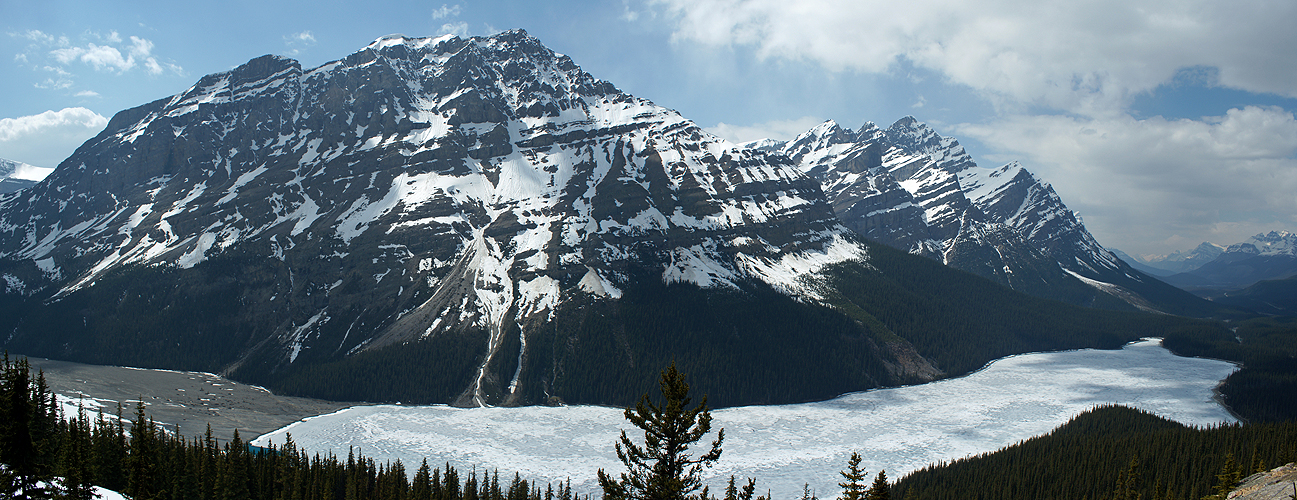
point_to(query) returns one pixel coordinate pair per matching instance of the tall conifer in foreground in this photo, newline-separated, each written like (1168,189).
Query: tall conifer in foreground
(854,487)
(662,469)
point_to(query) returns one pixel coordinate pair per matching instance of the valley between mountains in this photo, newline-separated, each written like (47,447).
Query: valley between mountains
(479,222)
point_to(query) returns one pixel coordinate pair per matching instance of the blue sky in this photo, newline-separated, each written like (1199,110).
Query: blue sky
(1163,123)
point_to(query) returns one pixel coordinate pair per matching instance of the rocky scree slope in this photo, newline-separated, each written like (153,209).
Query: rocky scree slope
(910,188)
(480,222)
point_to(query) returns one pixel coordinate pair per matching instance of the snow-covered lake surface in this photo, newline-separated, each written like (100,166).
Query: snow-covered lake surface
(783,447)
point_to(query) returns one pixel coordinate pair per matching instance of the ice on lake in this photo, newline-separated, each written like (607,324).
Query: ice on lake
(783,447)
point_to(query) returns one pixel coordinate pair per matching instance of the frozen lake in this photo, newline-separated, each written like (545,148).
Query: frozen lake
(899,429)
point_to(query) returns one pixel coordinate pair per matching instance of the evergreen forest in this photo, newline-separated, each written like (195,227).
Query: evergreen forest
(1112,453)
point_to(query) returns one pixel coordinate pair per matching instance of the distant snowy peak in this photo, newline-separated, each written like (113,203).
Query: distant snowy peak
(1183,261)
(768,145)
(1272,243)
(15,176)
(10,169)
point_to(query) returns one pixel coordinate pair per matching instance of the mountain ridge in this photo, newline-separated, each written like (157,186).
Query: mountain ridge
(1265,256)
(912,189)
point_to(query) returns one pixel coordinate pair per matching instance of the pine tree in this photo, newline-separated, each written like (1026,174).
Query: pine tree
(662,468)
(140,466)
(1228,478)
(880,490)
(808,493)
(17,448)
(74,459)
(421,489)
(854,487)
(234,473)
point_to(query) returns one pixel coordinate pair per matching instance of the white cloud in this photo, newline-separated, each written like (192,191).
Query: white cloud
(140,47)
(87,93)
(1145,184)
(51,83)
(47,138)
(38,36)
(1083,57)
(117,55)
(297,42)
(445,12)
(457,29)
(774,129)
(99,56)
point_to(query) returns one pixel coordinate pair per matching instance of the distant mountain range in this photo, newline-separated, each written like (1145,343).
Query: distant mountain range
(479,221)
(1176,262)
(1211,269)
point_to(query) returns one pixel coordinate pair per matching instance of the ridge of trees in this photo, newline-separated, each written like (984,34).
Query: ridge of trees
(1112,452)
(142,460)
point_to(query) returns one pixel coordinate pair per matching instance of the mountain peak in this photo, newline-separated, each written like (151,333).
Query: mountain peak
(829,127)
(908,121)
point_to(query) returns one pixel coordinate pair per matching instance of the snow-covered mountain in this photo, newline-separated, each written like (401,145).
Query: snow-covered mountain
(479,221)
(1274,243)
(913,189)
(16,175)
(414,188)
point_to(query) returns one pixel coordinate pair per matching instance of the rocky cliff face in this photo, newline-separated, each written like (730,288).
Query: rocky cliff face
(915,190)
(1279,483)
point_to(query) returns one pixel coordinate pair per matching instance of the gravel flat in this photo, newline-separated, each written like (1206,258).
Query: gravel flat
(186,401)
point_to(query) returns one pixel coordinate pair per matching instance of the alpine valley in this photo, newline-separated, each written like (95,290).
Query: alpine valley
(480,222)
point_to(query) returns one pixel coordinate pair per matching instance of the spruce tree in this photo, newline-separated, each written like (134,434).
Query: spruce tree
(74,459)
(1229,477)
(880,490)
(662,469)
(140,462)
(854,487)
(421,489)
(17,449)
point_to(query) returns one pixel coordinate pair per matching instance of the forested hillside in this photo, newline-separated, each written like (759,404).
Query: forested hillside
(1265,388)
(1111,452)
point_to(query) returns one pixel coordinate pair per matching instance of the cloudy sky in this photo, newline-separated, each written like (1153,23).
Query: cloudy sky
(1164,123)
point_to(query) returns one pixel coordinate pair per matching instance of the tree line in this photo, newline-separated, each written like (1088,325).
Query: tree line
(140,459)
